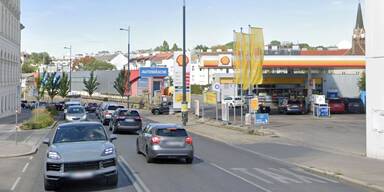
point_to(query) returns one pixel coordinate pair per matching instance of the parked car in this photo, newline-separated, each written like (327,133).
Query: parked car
(80,151)
(107,110)
(292,107)
(233,101)
(165,141)
(76,113)
(68,104)
(31,105)
(60,106)
(163,108)
(336,106)
(125,120)
(354,105)
(23,104)
(91,107)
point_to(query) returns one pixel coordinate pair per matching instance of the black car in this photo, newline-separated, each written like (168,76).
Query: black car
(163,108)
(23,104)
(91,107)
(125,120)
(354,105)
(60,106)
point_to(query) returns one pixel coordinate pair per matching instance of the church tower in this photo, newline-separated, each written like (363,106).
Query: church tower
(358,38)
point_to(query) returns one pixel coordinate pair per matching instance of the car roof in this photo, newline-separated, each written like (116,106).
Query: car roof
(79,123)
(72,102)
(165,125)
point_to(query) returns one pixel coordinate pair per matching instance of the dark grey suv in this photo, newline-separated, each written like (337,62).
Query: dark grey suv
(80,151)
(165,141)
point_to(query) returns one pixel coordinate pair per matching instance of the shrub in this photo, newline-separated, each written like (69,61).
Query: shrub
(52,110)
(41,118)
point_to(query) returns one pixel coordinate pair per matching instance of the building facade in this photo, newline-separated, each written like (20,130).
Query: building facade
(10,68)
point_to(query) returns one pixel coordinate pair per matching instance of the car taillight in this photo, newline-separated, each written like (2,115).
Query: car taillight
(137,118)
(188,140)
(155,140)
(120,117)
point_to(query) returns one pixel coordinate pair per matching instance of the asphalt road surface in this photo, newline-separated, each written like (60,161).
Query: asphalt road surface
(217,167)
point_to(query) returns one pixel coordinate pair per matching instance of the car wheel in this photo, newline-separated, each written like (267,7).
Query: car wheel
(50,185)
(137,147)
(156,112)
(110,125)
(189,160)
(147,157)
(112,180)
(114,130)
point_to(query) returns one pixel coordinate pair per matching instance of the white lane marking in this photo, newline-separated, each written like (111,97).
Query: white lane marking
(241,178)
(284,162)
(245,171)
(136,180)
(277,177)
(303,178)
(25,167)
(31,157)
(15,184)
(314,175)
(27,139)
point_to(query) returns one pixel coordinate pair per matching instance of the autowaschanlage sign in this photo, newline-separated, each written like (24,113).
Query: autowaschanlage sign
(153,72)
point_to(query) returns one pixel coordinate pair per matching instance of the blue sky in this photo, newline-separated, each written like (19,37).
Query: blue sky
(93,25)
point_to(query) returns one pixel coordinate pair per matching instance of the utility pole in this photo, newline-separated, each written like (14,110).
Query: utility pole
(184,104)
(128,75)
(70,67)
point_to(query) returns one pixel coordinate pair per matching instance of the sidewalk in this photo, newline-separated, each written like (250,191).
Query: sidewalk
(347,166)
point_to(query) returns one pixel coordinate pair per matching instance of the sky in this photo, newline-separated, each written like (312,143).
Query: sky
(93,25)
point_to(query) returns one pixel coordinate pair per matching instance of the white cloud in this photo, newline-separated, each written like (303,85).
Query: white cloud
(337,2)
(344,45)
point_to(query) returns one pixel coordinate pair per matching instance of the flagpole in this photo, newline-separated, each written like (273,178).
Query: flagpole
(241,82)
(249,71)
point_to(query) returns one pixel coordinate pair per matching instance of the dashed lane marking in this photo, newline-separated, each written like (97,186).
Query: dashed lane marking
(241,178)
(15,184)
(25,167)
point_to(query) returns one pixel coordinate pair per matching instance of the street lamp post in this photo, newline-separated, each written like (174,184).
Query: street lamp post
(70,67)
(184,104)
(128,30)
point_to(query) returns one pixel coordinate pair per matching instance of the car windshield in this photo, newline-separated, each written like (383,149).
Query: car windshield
(335,101)
(171,132)
(128,113)
(92,104)
(79,133)
(75,110)
(294,102)
(228,98)
(114,107)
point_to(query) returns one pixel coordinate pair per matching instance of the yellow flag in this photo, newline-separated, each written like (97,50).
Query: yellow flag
(237,56)
(256,55)
(245,67)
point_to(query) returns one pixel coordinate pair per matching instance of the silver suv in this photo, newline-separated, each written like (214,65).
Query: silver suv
(165,141)
(80,151)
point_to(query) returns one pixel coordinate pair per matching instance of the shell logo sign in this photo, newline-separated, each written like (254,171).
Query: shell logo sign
(179,60)
(225,60)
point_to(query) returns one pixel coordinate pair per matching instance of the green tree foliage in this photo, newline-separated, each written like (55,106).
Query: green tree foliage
(304,46)
(275,43)
(175,47)
(119,83)
(362,82)
(28,68)
(164,47)
(52,86)
(204,48)
(40,88)
(39,58)
(91,84)
(97,65)
(64,85)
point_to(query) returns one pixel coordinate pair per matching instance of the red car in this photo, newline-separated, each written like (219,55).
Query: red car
(336,105)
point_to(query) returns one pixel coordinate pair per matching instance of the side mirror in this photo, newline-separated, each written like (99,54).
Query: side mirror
(46,141)
(112,137)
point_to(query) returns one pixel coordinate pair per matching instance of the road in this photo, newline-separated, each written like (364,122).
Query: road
(217,167)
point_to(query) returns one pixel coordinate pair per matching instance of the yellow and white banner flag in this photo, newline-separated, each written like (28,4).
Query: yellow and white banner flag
(237,56)
(245,67)
(256,55)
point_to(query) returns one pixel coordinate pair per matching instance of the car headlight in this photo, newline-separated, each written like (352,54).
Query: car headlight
(108,151)
(84,117)
(53,155)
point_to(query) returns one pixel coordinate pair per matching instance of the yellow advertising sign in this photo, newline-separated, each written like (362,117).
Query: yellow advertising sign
(179,97)
(254,104)
(210,98)
(227,80)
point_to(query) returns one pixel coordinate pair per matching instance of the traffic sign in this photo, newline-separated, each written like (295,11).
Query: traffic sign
(216,87)
(262,118)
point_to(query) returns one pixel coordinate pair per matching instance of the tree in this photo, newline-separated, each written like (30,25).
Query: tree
(91,84)
(164,47)
(39,58)
(27,68)
(52,85)
(39,85)
(175,47)
(275,43)
(87,60)
(119,83)
(97,65)
(64,85)
(362,82)
(203,48)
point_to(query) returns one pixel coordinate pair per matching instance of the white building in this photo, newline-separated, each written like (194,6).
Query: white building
(10,68)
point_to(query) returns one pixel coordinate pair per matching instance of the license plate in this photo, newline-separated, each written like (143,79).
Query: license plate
(172,143)
(129,120)
(82,175)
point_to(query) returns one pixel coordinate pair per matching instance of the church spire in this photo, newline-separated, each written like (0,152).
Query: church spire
(359,18)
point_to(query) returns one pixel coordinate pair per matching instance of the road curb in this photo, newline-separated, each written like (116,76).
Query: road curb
(311,169)
(34,147)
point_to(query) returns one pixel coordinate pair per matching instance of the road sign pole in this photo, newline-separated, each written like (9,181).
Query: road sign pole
(217,112)
(16,127)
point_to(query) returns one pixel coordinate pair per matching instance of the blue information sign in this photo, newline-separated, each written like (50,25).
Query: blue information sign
(153,72)
(262,118)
